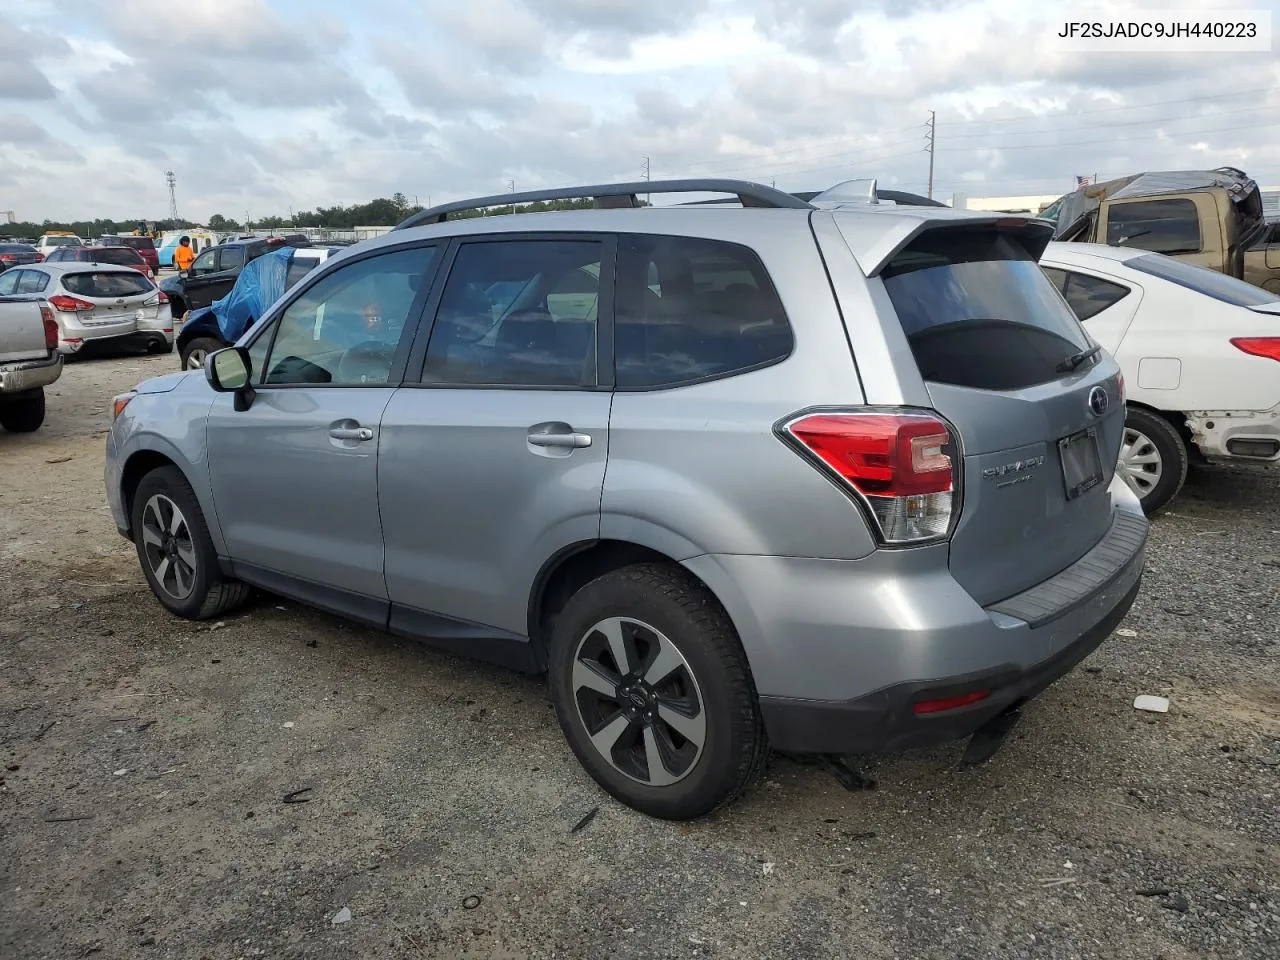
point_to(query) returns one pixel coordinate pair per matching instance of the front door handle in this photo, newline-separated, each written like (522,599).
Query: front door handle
(559,435)
(351,433)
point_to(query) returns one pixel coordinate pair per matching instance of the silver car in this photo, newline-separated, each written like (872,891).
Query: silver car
(97,303)
(824,476)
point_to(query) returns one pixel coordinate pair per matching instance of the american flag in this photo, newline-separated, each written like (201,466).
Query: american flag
(1083,181)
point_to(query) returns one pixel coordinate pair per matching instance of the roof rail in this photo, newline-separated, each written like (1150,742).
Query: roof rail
(608,195)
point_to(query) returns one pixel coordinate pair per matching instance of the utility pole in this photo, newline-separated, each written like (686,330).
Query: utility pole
(644,172)
(172,180)
(512,184)
(933,139)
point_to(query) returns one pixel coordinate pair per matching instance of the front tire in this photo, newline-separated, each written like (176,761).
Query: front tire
(193,353)
(654,694)
(23,415)
(1153,459)
(176,551)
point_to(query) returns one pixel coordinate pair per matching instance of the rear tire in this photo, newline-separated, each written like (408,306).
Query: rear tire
(24,414)
(176,551)
(674,715)
(1153,459)
(196,350)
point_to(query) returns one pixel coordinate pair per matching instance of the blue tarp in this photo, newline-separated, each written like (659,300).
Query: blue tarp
(260,284)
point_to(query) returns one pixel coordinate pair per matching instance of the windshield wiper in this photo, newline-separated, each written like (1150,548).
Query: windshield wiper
(1076,359)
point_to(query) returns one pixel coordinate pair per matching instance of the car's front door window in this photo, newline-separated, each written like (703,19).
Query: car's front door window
(205,263)
(345,329)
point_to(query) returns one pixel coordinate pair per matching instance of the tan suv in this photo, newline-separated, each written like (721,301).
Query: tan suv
(1211,218)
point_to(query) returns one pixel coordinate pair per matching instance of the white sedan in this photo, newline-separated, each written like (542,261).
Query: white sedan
(1200,354)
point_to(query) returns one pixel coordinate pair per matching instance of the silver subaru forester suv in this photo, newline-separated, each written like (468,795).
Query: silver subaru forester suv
(829,476)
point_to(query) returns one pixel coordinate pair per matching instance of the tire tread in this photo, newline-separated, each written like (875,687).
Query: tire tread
(1162,432)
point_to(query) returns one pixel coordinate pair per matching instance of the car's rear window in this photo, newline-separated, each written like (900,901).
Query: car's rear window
(1202,280)
(121,255)
(139,243)
(16,248)
(979,312)
(105,284)
(62,242)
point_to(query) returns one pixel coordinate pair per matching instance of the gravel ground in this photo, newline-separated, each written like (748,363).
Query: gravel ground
(146,760)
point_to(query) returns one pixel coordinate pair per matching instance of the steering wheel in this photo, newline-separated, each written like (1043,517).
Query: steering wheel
(366,362)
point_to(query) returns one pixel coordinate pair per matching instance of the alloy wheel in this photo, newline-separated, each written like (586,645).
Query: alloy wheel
(639,701)
(195,359)
(167,543)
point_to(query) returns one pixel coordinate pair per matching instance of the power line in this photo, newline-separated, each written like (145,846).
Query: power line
(1087,143)
(1127,106)
(742,161)
(1122,123)
(767,162)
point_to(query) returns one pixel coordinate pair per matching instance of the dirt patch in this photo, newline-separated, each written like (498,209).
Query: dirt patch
(174,790)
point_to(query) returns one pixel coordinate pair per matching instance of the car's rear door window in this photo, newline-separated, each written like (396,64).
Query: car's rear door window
(518,313)
(689,309)
(979,312)
(32,281)
(1087,295)
(230,257)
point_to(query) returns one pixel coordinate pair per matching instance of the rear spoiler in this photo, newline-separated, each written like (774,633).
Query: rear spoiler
(873,246)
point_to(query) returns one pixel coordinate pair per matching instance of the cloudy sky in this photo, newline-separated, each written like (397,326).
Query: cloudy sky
(263,105)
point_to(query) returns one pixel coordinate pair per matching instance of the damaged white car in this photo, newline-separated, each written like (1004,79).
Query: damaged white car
(1200,353)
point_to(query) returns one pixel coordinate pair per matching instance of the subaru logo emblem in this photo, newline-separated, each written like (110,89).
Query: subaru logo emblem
(1098,401)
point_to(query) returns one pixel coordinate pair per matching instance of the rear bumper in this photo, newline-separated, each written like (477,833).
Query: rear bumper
(23,375)
(129,338)
(1244,435)
(842,651)
(886,721)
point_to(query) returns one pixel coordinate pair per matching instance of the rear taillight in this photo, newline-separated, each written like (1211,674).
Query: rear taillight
(8,258)
(900,464)
(156,299)
(1120,387)
(1268,347)
(50,328)
(69,304)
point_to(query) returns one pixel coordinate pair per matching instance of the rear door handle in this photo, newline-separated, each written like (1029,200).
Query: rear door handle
(351,433)
(559,435)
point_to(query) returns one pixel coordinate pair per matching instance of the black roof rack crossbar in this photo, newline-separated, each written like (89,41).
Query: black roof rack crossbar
(615,195)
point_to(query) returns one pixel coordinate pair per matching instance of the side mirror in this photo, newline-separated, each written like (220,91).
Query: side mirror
(228,371)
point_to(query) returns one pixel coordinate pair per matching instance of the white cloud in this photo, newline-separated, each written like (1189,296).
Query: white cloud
(277,103)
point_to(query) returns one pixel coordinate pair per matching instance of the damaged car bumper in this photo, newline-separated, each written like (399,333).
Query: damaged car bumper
(1236,434)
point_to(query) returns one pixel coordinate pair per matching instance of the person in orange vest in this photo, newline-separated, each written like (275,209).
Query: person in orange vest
(183,256)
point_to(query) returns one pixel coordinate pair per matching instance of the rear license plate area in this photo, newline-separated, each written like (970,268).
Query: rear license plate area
(1081,463)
